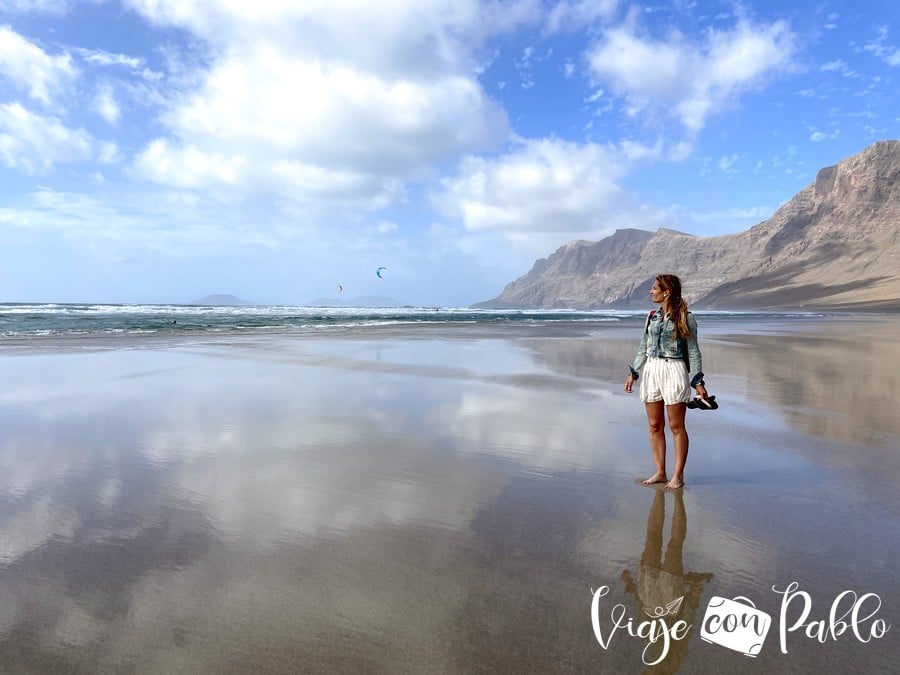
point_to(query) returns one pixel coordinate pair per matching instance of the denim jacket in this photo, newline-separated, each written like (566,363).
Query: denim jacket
(658,341)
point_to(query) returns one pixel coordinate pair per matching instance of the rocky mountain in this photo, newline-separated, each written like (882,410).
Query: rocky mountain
(835,245)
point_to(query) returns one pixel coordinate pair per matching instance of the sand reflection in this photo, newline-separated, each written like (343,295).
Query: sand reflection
(829,378)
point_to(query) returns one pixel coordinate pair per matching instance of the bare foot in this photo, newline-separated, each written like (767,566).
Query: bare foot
(675,484)
(655,478)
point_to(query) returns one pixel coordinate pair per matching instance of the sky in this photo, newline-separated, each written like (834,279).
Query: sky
(157,151)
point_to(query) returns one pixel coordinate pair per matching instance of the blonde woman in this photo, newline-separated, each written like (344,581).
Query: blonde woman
(668,364)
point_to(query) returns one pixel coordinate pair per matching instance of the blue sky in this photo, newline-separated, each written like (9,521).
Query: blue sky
(163,150)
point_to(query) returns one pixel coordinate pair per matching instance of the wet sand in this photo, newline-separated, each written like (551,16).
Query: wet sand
(440,501)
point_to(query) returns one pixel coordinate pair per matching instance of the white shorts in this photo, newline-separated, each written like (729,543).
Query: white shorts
(665,380)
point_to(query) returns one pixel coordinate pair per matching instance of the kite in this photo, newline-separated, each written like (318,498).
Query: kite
(378,272)
(340,289)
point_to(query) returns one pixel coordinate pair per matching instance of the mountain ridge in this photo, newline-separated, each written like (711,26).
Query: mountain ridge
(833,245)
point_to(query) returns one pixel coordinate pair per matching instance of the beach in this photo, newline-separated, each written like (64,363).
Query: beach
(446,499)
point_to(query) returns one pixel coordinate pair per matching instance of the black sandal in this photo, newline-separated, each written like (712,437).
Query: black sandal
(708,403)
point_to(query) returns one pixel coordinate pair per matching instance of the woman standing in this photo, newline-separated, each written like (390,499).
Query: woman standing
(671,363)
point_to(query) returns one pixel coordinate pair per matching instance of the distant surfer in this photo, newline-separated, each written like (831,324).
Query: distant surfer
(669,357)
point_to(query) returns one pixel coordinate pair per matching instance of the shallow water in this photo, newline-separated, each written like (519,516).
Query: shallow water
(434,505)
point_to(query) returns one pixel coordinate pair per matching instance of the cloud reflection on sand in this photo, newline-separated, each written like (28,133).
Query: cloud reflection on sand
(302,503)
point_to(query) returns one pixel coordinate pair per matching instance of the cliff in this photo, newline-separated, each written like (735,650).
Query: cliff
(835,244)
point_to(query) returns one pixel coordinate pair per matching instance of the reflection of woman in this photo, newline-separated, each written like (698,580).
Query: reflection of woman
(662,580)
(670,359)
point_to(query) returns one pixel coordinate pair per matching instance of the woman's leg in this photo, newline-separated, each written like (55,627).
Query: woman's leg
(674,560)
(657,428)
(675,413)
(653,547)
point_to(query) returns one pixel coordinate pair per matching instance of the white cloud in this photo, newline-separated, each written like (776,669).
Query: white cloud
(575,14)
(547,191)
(263,109)
(53,7)
(128,223)
(423,36)
(31,69)
(32,143)
(105,104)
(326,104)
(678,152)
(838,66)
(108,152)
(188,167)
(660,150)
(694,81)
(819,136)
(97,57)
(889,54)
(726,163)
(385,227)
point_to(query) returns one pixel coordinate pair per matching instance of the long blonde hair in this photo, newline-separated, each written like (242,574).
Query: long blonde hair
(671,284)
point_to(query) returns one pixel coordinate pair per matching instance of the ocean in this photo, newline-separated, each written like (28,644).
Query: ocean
(23,320)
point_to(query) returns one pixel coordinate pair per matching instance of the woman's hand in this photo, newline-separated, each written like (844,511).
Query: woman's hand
(628,383)
(701,391)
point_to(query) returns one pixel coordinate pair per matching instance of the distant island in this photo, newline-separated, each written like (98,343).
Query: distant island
(218,300)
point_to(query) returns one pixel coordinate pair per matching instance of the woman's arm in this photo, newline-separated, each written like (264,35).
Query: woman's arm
(641,357)
(695,360)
